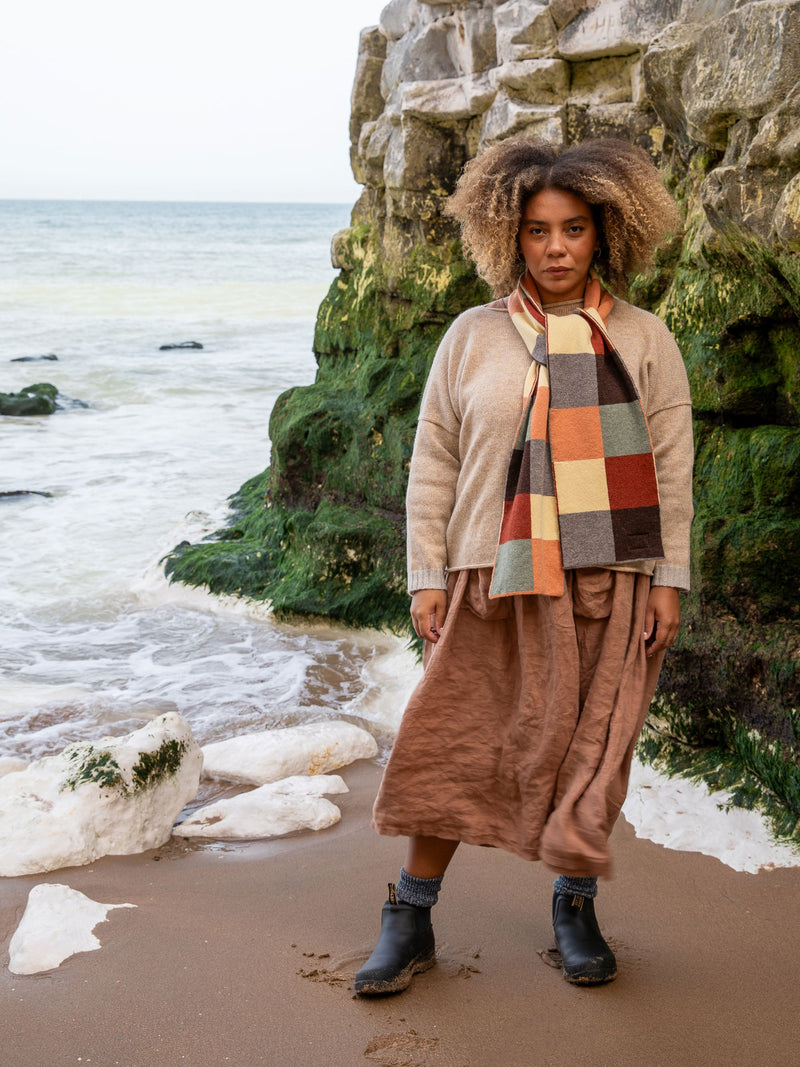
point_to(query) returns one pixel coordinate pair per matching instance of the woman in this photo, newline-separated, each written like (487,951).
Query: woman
(543,643)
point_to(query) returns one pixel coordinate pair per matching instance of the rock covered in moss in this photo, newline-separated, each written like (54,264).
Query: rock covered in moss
(269,756)
(39,399)
(272,810)
(117,796)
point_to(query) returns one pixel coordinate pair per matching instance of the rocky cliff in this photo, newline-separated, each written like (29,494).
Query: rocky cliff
(711,88)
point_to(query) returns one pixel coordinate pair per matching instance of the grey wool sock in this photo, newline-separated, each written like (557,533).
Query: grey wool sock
(422,892)
(567,885)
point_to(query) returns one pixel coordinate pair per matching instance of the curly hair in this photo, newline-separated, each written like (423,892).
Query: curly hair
(632,210)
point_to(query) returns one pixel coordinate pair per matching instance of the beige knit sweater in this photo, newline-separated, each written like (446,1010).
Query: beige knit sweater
(470,412)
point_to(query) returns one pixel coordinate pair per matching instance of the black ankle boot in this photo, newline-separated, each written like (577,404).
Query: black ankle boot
(405,948)
(585,956)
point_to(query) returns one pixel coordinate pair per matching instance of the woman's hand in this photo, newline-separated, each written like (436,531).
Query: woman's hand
(662,619)
(428,611)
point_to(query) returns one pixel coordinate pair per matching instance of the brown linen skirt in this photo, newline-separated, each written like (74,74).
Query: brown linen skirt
(521,731)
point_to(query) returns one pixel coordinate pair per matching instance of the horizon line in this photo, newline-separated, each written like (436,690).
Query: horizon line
(151,200)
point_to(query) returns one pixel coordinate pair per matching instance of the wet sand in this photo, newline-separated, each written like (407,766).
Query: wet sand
(245,955)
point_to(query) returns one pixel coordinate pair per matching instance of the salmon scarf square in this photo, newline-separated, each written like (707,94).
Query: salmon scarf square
(581,489)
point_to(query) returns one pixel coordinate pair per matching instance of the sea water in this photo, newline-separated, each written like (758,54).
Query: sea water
(93,640)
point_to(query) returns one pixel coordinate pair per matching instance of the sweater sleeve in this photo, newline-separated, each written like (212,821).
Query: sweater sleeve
(670,422)
(435,466)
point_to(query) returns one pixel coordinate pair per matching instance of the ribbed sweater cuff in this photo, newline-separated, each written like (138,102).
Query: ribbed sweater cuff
(677,577)
(430,579)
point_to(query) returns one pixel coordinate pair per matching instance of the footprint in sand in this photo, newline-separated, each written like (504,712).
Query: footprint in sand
(402,1050)
(320,969)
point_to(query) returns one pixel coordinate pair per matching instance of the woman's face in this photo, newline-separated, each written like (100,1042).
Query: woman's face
(558,238)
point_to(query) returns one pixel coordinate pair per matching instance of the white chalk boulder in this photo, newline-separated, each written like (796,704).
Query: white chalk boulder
(269,756)
(10,765)
(116,796)
(295,803)
(58,922)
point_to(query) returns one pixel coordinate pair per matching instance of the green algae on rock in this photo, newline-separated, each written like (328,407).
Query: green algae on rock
(322,532)
(99,767)
(39,399)
(92,765)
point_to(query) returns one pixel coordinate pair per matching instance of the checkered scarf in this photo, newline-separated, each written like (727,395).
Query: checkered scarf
(581,488)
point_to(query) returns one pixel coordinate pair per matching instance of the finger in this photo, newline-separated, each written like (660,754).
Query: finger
(649,620)
(665,637)
(422,626)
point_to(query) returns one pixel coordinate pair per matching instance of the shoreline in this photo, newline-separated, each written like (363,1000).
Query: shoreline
(243,954)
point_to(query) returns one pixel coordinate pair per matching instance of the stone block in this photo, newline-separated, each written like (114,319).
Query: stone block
(537,81)
(777,140)
(507,116)
(664,66)
(421,156)
(398,18)
(367,160)
(786,220)
(603,81)
(750,564)
(524,31)
(744,198)
(452,100)
(742,69)
(564,11)
(421,55)
(626,121)
(775,463)
(638,86)
(366,101)
(615,28)
(471,39)
(462,42)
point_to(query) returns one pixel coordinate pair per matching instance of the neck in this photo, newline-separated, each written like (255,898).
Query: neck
(594,295)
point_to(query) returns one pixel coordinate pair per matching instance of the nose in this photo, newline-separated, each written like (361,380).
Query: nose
(555,245)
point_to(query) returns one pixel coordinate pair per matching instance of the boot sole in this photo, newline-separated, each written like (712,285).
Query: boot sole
(586,979)
(402,980)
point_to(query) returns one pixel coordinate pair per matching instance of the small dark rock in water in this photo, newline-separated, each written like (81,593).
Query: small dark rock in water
(183,344)
(33,359)
(15,494)
(68,403)
(39,399)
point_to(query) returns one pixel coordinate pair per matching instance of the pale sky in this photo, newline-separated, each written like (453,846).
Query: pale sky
(179,99)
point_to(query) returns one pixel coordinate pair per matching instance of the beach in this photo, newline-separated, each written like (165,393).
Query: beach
(245,954)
